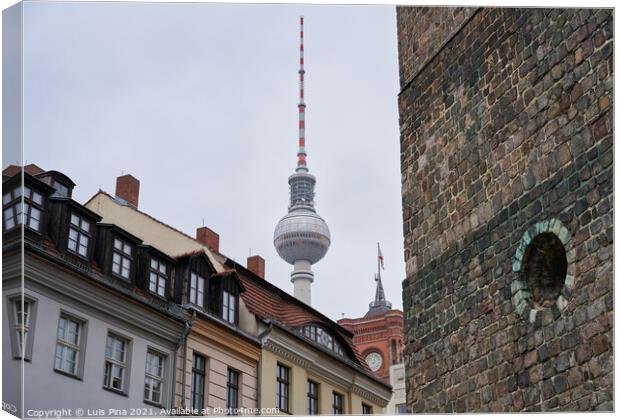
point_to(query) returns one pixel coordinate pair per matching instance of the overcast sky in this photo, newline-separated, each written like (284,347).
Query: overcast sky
(198,101)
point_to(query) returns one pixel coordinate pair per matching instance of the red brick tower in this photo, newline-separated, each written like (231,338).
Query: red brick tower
(378,335)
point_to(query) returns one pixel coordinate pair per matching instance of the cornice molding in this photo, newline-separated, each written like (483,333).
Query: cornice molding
(336,373)
(215,335)
(71,289)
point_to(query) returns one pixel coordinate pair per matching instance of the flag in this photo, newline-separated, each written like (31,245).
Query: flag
(380,256)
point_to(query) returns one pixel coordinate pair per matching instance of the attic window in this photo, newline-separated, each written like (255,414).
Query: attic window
(158,275)
(121,258)
(61,189)
(197,289)
(79,235)
(322,337)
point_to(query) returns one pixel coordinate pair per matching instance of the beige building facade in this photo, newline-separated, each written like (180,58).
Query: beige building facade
(332,377)
(266,339)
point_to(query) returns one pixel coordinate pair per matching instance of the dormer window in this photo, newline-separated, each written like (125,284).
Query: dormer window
(33,202)
(321,336)
(158,277)
(224,291)
(121,258)
(79,235)
(61,189)
(12,208)
(197,289)
(229,307)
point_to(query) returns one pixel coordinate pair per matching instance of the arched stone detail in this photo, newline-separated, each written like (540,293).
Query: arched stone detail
(521,295)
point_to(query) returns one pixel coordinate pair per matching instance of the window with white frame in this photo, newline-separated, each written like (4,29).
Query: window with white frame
(158,277)
(22,321)
(68,350)
(229,307)
(197,289)
(21,317)
(323,337)
(154,377)
(121,258)
(79,235)
(116,350)
(12,208)
(33,202)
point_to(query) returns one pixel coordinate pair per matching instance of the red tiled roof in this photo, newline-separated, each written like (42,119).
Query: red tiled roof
(31,169)
(268,304)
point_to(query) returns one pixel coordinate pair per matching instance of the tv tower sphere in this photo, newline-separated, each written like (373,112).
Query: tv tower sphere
(301,235)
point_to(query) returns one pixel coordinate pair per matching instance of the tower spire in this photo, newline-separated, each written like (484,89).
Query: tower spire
(380,304)
(301,154)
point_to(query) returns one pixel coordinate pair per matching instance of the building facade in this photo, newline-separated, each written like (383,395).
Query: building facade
(221,342)
(309,364)
(74,318)
(507,182)
(379,338)
(273,347)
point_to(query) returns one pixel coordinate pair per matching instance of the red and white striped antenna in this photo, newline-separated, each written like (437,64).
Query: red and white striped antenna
(301,154)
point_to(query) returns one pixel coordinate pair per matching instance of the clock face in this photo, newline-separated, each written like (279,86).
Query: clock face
(374,361)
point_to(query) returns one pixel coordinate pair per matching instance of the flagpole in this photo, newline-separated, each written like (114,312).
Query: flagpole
(378,262)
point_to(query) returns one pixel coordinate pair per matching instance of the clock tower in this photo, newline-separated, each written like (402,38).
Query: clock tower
(378,336)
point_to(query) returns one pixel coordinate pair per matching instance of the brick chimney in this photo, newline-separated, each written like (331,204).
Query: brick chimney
(256,264)
(128,188)
(207,237)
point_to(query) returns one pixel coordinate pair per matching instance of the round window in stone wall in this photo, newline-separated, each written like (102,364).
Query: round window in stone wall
(544,271)
(544,268)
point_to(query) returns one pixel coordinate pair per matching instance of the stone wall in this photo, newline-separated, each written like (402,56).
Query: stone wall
(506,134)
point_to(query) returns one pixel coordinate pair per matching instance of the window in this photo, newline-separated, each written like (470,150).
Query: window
(11,215)
(154,379)
(121,258)
(401,408)
(198,382)
(79,235)
(115,363)
(61,189)
(158,277)
(282,395)
(337,405)
(197,289)
(68,345)
(12,208)
(21,317)
(322,337)
(229,307)
(32,216)
(313,398)
(544,268)
(366,409)
(232,388)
